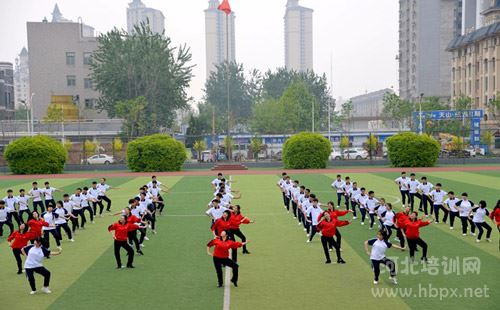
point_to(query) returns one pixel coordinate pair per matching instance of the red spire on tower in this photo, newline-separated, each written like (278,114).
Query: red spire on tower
(224,6)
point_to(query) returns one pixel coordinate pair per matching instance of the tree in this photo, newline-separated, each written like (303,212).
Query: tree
(67,144)
(201,124)
(132,112)
(346,113)
(434,104)
(156,153)
(126,66)
(494,107)
(488,139)
(269,117)
(306,150)
(199,146)
(301,107)
(229,146)
(256,146)
(243,92)
(117,146)
(371,144)
(457,144)
(344,144)
(89,147)
(55,114)
(409,149)
(397,109)
(463,103)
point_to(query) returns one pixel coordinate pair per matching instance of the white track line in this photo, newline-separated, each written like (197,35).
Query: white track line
(227,289)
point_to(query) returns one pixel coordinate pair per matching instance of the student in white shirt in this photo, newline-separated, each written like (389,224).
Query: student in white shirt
(313,213)
(478,218)
(402,183)
(294,193)
(354,191)
(62,220)
(413,191)
(388,218)
(155,191)
(103,188)
(87,198)
(361,199)
(216,181)
(50,217)
(437,197)
(451,206)
(35,253)
(77,200)
(11,203)
(303,204)
(94,193)
(4,219)
(381,209)
(464,207)
(22,201)
(69,206)
(48,193)
(377,256)
(299,196)
(424,189)
(215,211)
(347,189)
(371,205)
(338,185)
(287,185)
(280,184)
(37,193)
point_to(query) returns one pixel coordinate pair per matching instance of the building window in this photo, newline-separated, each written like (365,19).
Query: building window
(485,66)
(71,80)
(486,84)
(89,103)
(87,58)
(87,83)
(70,58)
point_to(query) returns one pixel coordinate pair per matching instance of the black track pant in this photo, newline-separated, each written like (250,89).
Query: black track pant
(132,240)
(143,235)
(91,212)
(481,227)
(363,214)
(329,242)
(384,261)
(9,224)
(17,256)
(94,207)
(37,204)
(436,213)
(30,274)
(388,229)
(294,208)
(413,243)
(353,207)
(339,198)
(14,215)
(404,195)
(66,229)
(239,234)
(372,219)
(161,204)
(424,202)
(401,237)
(313,232)
(219,263)
(412,200)
(46,237)
(21,212)
(108,202)
(79,213)
(453,215)
(466,220)
(130,253)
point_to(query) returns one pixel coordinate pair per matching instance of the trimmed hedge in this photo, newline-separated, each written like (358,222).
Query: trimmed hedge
(412,150)
(36,155)
(306,150)
(155,153)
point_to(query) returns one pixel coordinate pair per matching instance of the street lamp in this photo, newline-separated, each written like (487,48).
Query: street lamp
(27,117)
(420,113)
(31,112)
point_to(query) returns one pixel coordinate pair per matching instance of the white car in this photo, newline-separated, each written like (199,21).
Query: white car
(475,151)
(335,155)
(100,159)
(355,154)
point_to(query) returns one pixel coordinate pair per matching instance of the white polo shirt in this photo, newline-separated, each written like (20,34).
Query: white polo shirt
(362,199)
(438,196)
(85,199)
(403,183)
(50,218)
(479,215)
(35,256)
(3,215)
(10,203)
(465,207)
(452,204)
(102,189)
(339,185)
(150,184)
(36,193)
(61,219)
(154,191)
(389,218)
(216,213)
(426,188)
(413,186)
(314,213)
(371,204)
(77,201)
(94,192)
(49,193)
(378,248)
(68,205)
(23,202)
(354,192)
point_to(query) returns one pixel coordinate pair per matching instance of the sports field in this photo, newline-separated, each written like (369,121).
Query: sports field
(282,272)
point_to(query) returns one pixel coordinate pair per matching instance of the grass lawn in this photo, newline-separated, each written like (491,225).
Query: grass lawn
(283,272)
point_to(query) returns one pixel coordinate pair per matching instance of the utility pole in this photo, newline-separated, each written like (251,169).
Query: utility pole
(420,113)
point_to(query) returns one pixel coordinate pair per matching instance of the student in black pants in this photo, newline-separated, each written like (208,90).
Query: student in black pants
(121,229)
(35,254)
(4,220)
(50,218)
(222,245)
(18,240)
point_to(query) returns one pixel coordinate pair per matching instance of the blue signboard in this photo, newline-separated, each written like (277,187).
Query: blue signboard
(474,115)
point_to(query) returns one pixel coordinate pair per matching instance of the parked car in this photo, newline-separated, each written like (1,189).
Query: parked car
(278,156)
(475,151)
(354,153)
(335,155)
(99,159)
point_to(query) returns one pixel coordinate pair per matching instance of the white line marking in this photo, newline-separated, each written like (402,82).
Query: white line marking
(227,289)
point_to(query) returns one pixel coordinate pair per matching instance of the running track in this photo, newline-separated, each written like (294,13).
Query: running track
(94,174)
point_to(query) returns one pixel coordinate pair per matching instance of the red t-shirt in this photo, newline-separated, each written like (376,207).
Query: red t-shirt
(20,240)
(495,215)
(121,231)
(413,228)
(328,229)
(36,227)
(236,220)
(222,248)
(220,225)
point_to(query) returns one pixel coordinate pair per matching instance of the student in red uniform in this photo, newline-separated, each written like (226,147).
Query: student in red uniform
(18,240)
(35,223)
(222,245)
(222,224)
(328,226)
(400,224)
(412,229)
(236,220)
(335,214)
(495,217)
(121,229)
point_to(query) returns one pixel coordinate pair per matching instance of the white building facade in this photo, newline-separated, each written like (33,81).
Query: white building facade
(22,79)
(138,13)
(298,37)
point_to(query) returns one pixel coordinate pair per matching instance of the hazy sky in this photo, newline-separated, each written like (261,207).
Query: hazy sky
(361,35)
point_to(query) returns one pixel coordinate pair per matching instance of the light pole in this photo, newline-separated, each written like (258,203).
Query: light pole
(27,117)
(420,113)
(312,123)
(31,114)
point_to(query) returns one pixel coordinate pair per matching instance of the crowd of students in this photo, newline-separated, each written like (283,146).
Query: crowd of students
(225,222)
(305,207)
(50,219)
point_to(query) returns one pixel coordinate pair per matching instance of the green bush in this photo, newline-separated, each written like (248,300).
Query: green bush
(36,155)
(412,150)
(155,153)
(306,151)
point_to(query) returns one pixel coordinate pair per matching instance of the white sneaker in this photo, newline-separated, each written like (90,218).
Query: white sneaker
(464,234)
(341,250)
(489,240)
(375,282)
(46,290)
(71,240)
(362,223)
(149,226)
(371,228)
(396,239)
(32,292)
(154,232)
(354,217)
(394,280)
(288,212)
(472,234)
(304,229)
(300,224)
(477,240)
(146,238)
(141,245)
(308,241)
(330,250)
(93,222)
(451,228)
(59,248)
